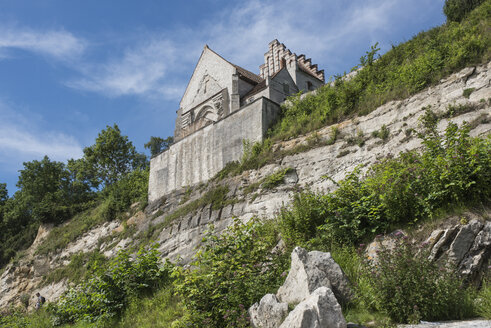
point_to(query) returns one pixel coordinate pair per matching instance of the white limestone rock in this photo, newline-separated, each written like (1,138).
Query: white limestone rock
(310,271)
(268,313)
(319,310)
(463,241)
(480,252)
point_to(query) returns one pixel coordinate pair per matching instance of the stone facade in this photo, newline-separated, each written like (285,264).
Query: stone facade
(201,155)
(223,105)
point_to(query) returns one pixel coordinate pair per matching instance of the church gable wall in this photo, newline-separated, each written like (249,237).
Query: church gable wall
(303,79)
(212,74)
(281,86)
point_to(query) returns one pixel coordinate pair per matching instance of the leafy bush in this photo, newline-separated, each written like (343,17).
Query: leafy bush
(484,300)
(410,287)
(131,188)
(453,169)
(299,223)
(275,179)
(158,311)
(109,291)
(230,272)
(455,10)
(383,133)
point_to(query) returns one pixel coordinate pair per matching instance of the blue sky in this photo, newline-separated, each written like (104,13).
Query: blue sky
(69,68)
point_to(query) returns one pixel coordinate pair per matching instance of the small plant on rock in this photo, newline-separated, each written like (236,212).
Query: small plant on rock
(409,287)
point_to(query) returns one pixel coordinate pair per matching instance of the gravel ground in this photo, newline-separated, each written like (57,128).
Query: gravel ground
(451,324)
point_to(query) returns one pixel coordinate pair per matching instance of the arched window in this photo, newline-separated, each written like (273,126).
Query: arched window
(207,113)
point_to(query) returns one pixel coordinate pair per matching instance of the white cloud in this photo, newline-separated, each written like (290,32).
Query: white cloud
(21,139)
(54,43)
(241,33)
(139,71)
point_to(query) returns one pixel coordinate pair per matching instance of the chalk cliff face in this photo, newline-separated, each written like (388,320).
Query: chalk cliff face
(246,197)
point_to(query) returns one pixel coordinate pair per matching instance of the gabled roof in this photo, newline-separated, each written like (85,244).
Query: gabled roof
(242,71)
(305,70)
(248,74)
(259,87)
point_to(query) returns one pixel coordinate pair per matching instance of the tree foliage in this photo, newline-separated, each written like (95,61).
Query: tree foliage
(111,157)
(456,10)
(158,145)
(4,195)
(52,192)
(47,189)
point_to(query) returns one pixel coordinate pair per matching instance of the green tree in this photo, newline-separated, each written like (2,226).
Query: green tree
(4,195)
(456,10)
(45,186)
(158,145)
(112,157)
(17,226)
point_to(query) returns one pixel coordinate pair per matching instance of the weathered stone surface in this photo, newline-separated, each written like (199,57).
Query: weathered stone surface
(310,271)
(382,242)
(268,313)
(479,254)
(443,243)
(319,310)
(463,241)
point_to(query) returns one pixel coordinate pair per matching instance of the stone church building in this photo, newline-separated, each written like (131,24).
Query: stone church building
(224,104)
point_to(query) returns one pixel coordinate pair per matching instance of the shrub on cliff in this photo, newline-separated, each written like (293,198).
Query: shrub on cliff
(452,169)
(455,10)
(404,70)
(409,287)
(108,292)
(230,272)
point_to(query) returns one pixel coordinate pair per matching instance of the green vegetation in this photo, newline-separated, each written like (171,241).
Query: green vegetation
(80,266)
(383,133)
(159,310)
(269,182)
(96,188)
(456,10)
(409,287)
(404,70)
(233,270)
(113,200)
(484,300)
(216,197)
(158,145)
(453,169)
(109,291)
(111,158)
(468,92)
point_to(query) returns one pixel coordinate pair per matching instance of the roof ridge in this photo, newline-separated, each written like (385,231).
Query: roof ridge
(245,72)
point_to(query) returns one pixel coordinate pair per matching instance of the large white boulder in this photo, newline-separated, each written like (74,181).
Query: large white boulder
(309,271)
(268,313)
(319,310)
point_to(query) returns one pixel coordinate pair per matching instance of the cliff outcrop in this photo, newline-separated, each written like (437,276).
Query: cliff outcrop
(178,221)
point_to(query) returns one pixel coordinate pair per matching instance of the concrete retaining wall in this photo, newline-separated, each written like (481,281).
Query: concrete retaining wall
(201,155)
